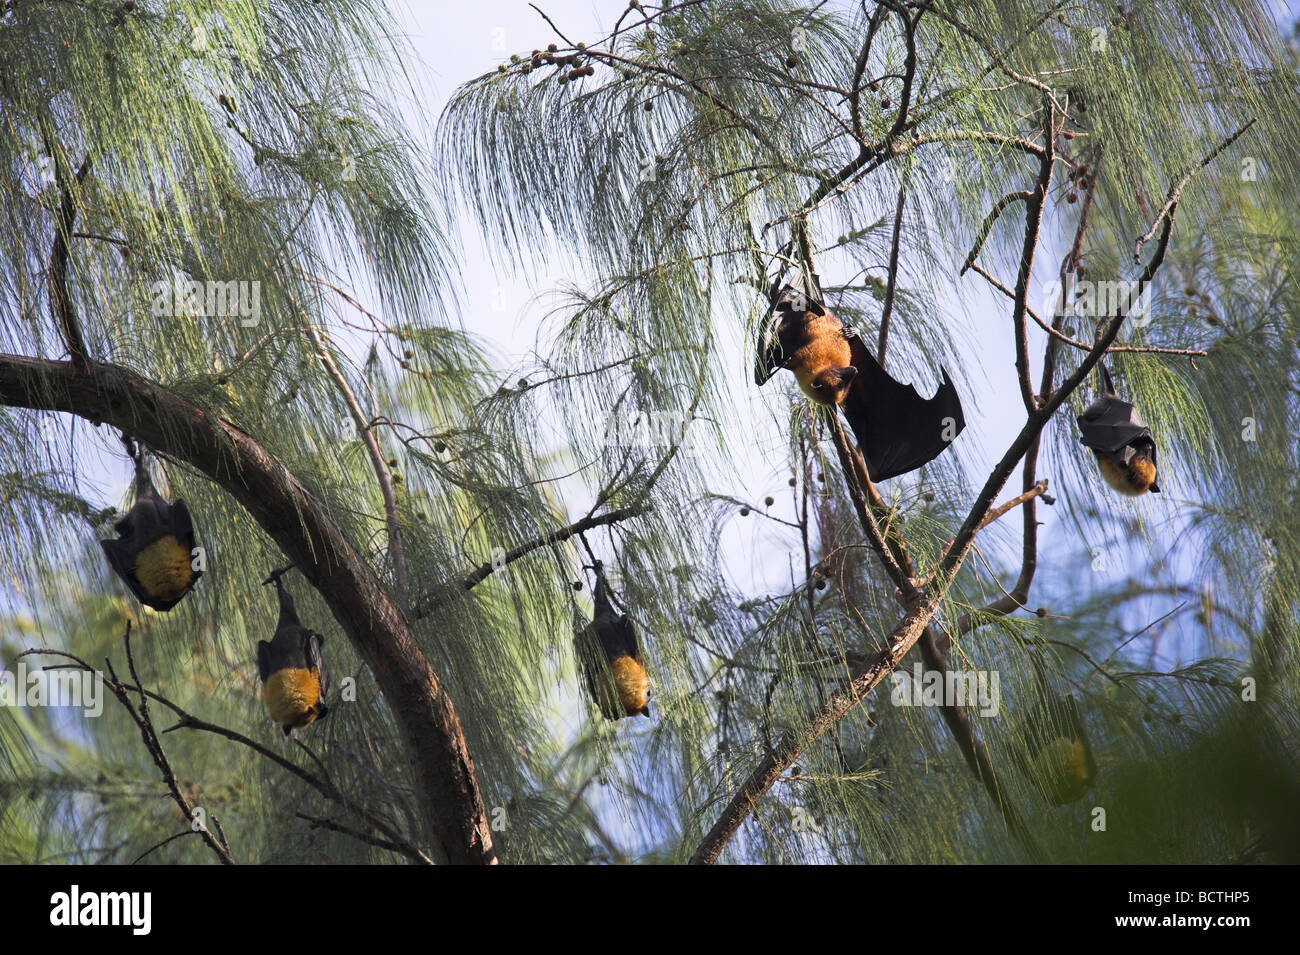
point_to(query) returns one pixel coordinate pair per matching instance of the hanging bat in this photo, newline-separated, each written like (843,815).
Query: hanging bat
(1059,755)
(896,429)
(1123,444)
(292,668)
(610,659)
(154,549)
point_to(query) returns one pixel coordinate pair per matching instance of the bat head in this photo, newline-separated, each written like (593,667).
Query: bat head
(1132,471)
(830,385)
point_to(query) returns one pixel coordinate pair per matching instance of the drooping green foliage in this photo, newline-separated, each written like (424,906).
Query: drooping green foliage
(672,164)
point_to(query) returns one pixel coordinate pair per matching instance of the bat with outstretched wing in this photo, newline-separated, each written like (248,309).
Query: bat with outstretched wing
(896,429)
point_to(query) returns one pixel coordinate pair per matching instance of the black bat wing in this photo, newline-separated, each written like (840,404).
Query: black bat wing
(621,639)
(288,650)
(150,518)
(121,556)
(180,523)
(897,430)
(774,340)
(1110,424)
(592,660)
(263,660)
(313,647)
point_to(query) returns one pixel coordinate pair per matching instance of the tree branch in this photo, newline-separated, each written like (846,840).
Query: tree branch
(377,461)
(432,602)
(65,317)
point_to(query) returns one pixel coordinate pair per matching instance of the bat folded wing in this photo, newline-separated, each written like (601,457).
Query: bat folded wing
(1110,424)
(313,647)
(896,429)
(794,299)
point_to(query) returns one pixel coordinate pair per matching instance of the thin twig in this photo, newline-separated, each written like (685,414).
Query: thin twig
(1177,190)
(377,461)
(65,315)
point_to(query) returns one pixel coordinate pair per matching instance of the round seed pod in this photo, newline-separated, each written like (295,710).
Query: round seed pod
(792,482)
(769,500)
(744,512)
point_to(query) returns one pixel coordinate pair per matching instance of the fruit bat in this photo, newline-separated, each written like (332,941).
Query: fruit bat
(1059,756)
(154,549)
(896,429)
(1123,444)
(610,659)
(292,668)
